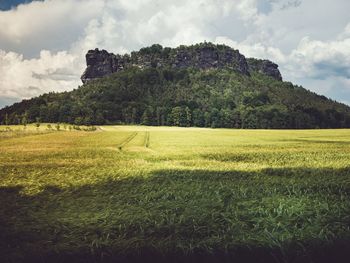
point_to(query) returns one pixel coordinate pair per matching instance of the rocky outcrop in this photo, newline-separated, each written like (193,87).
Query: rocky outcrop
(101,63)
(207,56)
(204,56)
(265,67)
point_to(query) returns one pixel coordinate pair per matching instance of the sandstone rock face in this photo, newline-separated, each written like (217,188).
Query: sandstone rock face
(265,67)
(204,56)
(101,63)
(209,56)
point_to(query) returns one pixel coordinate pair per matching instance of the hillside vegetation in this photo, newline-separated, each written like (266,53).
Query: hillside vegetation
(185,97)
(203,85)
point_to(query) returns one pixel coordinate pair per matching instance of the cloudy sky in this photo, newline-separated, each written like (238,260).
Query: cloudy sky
(43,43)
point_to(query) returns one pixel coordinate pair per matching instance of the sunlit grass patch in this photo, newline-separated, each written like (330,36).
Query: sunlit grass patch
(127,189)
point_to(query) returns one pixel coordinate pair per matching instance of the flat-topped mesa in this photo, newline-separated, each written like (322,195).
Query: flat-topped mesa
(204,56)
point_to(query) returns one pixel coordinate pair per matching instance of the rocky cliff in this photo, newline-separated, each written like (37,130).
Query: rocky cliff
(265,67)
(204,56)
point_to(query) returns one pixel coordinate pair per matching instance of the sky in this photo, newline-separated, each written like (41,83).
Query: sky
(43,43)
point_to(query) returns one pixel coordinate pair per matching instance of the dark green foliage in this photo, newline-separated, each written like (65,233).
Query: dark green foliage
(147,116)
(184,97)
(180,116)
(37,122)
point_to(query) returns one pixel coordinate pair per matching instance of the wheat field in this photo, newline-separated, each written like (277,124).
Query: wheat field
(135,192)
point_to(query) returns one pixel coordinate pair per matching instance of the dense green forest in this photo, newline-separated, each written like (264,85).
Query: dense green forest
(184,97)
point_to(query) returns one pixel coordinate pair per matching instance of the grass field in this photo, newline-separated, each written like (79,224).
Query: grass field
(139,193)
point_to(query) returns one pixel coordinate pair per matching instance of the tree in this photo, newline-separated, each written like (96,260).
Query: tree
(255,98)
(249,118)
(175,116)
(227,118)
(79,121)
(134,115)
(17,119)
(188,116)
(37,123)
(147,116)
(24,121)
(207,119)
(236,118)
(215,118)
(6,119)
(160,116)
(181,116)
(198,118)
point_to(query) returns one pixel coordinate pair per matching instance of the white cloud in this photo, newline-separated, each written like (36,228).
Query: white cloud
(69,28)
(310,45)
(257,50)
(318,59)
(50,24)
(248,9)
(24,78)
(290,21)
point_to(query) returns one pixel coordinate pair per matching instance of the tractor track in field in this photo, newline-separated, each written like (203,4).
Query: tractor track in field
(126,141)
(147,139)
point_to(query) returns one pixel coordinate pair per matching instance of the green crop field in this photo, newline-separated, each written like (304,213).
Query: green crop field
(137,192)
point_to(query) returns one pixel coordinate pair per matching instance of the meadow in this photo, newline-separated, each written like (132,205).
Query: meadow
(138,193)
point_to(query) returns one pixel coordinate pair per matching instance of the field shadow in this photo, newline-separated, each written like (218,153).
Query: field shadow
(183,216)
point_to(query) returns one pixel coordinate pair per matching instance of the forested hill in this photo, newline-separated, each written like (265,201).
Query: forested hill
(203,85)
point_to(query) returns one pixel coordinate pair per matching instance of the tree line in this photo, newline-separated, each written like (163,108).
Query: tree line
(184,97)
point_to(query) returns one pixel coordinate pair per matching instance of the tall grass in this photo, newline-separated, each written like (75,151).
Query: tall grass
(192,195)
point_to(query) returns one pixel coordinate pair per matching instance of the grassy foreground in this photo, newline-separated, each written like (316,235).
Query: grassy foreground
(134,193)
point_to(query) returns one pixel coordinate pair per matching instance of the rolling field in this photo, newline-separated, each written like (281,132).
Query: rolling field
(139,193)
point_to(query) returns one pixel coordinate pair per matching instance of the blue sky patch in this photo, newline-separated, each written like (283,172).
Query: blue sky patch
(9,4)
